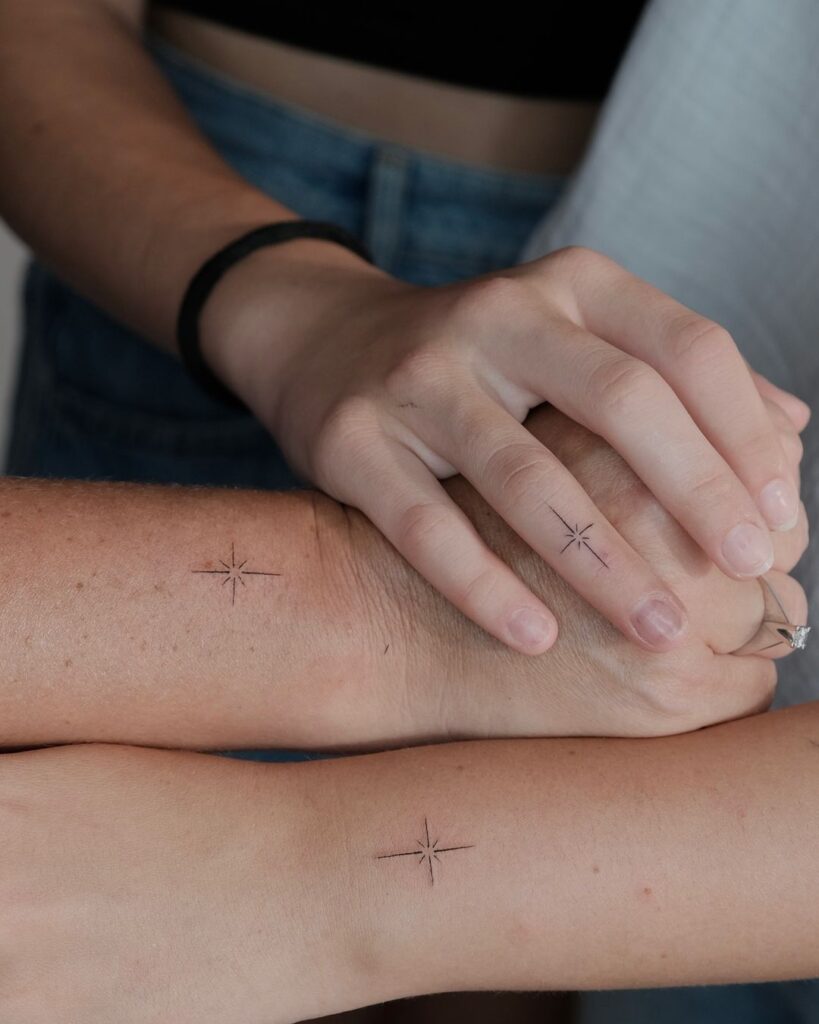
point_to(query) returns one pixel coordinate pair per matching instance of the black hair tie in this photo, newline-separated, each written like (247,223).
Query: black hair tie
(187,324)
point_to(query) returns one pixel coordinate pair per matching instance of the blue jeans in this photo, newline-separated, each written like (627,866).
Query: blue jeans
(789,1002)
(96,401)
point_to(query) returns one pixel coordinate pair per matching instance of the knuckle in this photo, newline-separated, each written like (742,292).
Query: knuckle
(621,385)
(425,526)
(793,447)
(516,471)
(424,373)
(477,592)
(678,701)
(697,342)
(759,448)
(690,704)
(342,430)
(714,489)
(496,298)
(577,259)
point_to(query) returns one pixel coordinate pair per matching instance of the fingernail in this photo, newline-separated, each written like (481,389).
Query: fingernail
(529,629)
(748,550)
(658,621)
(779,504)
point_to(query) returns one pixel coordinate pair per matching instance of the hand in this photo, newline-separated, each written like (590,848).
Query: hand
(459,683)
(141,886)
(374,388)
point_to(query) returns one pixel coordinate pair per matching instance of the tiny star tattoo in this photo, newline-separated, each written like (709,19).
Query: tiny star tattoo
(577,536)
(234,573)
(428,851)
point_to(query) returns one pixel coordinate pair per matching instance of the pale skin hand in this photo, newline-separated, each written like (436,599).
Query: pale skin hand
(375,388)
(141,886)
(380,387)
(214,617)
(594,681)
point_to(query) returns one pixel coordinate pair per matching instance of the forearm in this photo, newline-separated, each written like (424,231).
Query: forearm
(557,864)
(591,863)
(106,176)
(192,617)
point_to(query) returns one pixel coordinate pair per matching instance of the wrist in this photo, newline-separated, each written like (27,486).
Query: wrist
(356,671)
(261,309)
(416,678)
(367,958)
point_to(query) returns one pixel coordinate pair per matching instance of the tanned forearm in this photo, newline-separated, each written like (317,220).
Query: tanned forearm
(220,618)
(107,178)
(193,617)
(507,864)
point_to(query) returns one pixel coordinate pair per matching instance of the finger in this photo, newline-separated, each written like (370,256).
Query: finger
(789,439)
(541,500)
(788,434)
(797,411)
(789,547)
(410,507)
(785,604)
(704,367)
(629,404)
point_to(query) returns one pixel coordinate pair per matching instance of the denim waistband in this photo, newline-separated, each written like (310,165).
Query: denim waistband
(219,97)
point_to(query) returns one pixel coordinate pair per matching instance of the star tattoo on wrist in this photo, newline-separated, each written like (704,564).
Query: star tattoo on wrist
(426,851)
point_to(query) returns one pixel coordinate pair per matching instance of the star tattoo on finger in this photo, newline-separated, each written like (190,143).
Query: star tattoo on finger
(577,536)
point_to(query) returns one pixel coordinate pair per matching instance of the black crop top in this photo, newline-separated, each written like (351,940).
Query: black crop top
(570,52)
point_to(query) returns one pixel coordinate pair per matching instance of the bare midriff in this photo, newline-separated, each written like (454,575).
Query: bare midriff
(475,126)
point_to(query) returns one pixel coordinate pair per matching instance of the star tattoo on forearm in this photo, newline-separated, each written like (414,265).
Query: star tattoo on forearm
(426,852)
(234,573)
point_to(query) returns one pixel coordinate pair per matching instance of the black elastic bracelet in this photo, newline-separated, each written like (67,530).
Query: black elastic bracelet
(187,324)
